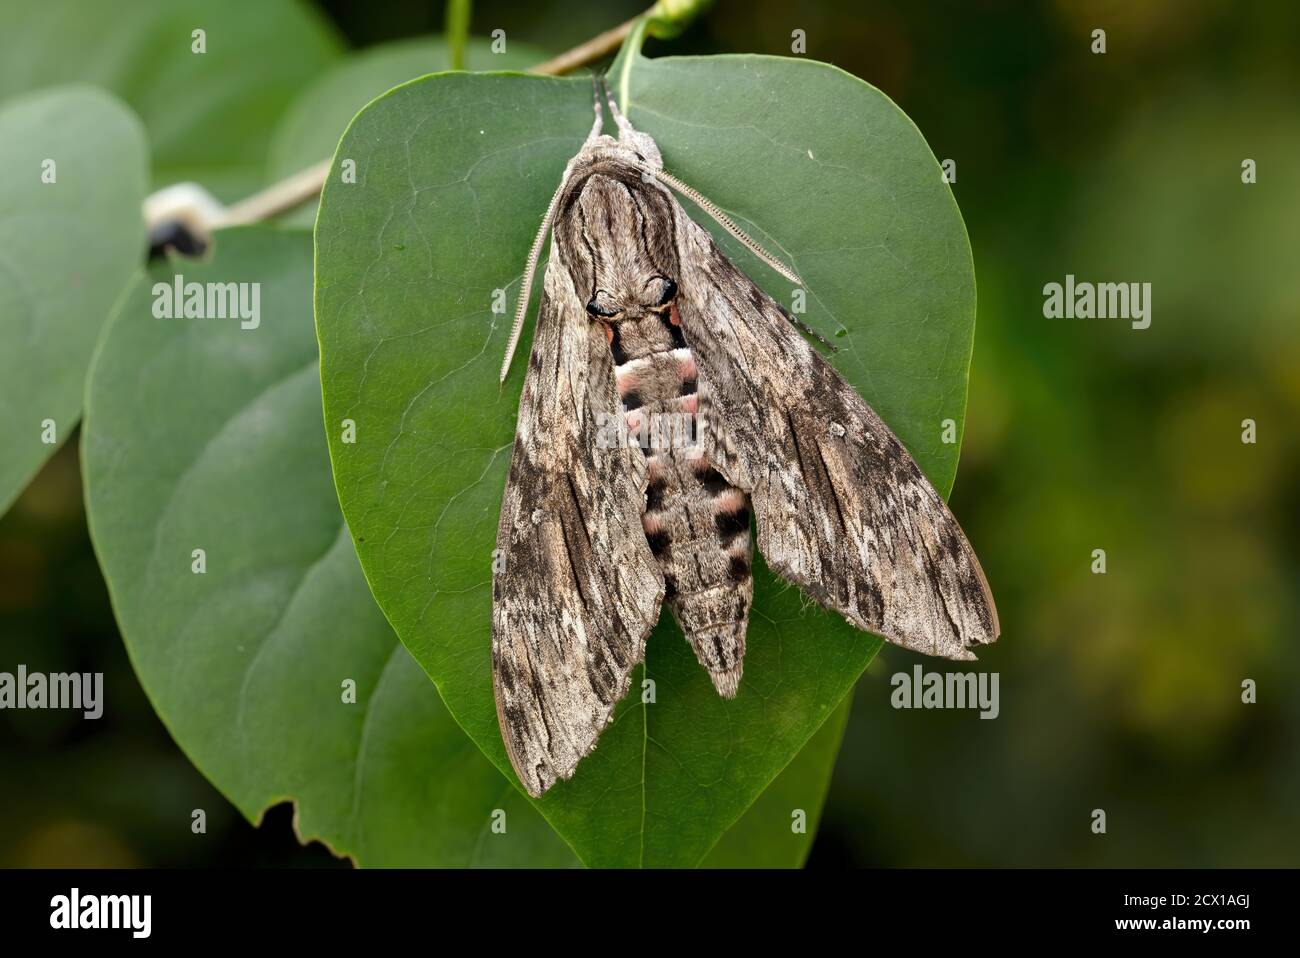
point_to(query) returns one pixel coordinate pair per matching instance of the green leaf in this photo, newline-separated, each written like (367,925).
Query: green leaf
(765,836)
(203,435)
(67,250)
(244,473)
(456,23)
(314,123)
(453,175)
(209,115)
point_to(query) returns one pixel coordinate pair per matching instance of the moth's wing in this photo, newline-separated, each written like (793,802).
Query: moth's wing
(580,589)
(842,508)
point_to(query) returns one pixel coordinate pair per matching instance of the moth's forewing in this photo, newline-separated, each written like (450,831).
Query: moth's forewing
(579,590)
(842,509)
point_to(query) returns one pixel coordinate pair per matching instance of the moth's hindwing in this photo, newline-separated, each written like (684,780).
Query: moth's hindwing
(579,590)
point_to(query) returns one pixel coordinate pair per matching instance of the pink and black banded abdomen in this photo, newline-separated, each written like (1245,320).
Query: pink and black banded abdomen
(696,523)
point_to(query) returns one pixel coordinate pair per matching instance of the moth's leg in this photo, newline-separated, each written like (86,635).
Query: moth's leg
(807,330)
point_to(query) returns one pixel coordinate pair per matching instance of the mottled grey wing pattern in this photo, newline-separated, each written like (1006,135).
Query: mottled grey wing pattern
(579,590)
(842,509)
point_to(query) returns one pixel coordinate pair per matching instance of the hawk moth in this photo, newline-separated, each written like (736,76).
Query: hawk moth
(642,315)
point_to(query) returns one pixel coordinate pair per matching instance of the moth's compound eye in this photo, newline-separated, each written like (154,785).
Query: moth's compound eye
(669,291)
(604,312)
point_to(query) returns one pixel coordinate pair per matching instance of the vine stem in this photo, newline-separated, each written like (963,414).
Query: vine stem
(456,31)
(584,53)
(305,184)
(278,198)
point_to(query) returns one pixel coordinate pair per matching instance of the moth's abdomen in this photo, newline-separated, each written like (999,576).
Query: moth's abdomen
(699,534)
(696,523)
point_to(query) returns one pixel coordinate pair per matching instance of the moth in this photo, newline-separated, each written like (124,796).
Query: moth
(642,317)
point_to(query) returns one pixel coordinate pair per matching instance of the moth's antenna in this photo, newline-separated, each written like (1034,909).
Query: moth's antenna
(624,127)
(526,287)
(596,82)
(535,251)
(640,143)
(725,222)
(645,144)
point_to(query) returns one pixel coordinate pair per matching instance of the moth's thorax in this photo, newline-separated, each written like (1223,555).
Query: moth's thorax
(618,244)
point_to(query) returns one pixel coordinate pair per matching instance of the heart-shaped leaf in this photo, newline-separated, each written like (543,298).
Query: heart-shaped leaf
(201,435)
(453,173)
(209,114)
(71,236)
(311,127)
(777,830)
(311,130)
(246,660)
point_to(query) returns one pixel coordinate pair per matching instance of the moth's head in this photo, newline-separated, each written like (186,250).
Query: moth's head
(632,148)
(616,236)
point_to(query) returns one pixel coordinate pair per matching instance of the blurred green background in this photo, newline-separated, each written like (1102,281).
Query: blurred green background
(1119,691)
